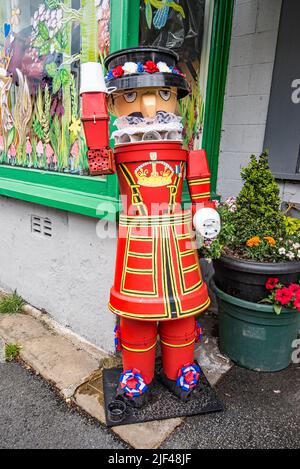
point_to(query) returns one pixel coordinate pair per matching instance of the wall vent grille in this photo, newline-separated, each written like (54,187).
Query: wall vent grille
(41,226)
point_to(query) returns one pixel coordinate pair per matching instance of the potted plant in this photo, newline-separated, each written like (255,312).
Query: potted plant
(257,336)
(282,296)
(257,242)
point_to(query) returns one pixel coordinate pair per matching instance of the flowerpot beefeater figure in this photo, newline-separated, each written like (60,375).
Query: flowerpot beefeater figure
(158,288)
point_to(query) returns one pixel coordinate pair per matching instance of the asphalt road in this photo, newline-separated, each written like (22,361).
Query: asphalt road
(33,416)
(262,411)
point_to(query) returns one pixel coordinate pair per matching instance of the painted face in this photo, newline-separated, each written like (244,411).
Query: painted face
(144,101)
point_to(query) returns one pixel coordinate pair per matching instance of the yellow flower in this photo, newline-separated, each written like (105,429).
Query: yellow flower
(75,127)
(270,240)
(253,242)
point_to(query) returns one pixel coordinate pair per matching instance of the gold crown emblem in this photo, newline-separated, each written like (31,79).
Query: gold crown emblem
(154,177)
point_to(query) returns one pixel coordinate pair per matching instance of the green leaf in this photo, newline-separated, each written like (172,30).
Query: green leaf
(52,4)
(45,49)
(51,69)
(11,137)
(38,42)
(56,84)
(43,30)
(38,129)
(65,76)
(267,301)
(158,4)
(57,45)
(176,8)
(149,15)
(62,39)
(277,309)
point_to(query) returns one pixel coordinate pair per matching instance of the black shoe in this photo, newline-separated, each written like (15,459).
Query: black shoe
(177,388)
(137,401)
(172,386)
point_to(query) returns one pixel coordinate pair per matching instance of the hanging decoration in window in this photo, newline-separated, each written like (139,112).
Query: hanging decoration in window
(161,15)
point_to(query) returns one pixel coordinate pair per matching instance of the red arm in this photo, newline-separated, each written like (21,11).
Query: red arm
(198,179)
(95,121)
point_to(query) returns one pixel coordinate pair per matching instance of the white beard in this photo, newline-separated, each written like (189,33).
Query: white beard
(135,129)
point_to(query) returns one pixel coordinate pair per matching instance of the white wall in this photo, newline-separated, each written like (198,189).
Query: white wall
(68,275)
(253,48)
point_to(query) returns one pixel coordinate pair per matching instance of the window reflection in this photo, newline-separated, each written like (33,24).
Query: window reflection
(179,26)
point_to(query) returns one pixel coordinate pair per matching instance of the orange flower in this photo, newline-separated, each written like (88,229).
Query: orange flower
(253,242)
(270,240)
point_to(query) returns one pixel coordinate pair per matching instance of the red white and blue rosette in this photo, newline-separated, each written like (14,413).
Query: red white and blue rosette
(132,383)
(188,377)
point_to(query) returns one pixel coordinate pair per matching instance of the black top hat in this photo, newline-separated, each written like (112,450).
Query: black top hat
(143,71)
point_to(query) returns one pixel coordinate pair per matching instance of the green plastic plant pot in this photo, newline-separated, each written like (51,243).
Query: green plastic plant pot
(253,336)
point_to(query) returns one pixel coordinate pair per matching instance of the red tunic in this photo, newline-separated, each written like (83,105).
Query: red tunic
(158,274)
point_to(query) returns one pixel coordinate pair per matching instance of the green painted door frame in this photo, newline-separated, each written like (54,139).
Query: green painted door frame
(88,196)
(125,23)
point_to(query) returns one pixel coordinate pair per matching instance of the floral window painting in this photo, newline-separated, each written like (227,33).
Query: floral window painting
(42,44)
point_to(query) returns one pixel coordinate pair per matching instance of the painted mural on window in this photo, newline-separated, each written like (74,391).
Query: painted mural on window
(42,44)
(179,25)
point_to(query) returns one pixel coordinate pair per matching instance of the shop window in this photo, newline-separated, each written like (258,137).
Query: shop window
(282,137)
(41,46)
(182,26)
(42,43)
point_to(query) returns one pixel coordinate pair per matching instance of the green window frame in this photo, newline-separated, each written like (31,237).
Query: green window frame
(99,197)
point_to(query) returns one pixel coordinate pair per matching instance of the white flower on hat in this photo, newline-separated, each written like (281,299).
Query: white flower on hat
(130,68)
(163,67)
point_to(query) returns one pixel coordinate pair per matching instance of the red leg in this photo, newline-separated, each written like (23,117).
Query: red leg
(138,339)
(177,345)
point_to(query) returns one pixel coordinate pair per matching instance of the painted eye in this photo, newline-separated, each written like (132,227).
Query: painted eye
(165,94)
(130,97)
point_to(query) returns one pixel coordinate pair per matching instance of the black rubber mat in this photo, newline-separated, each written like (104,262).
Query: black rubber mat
(163,405)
